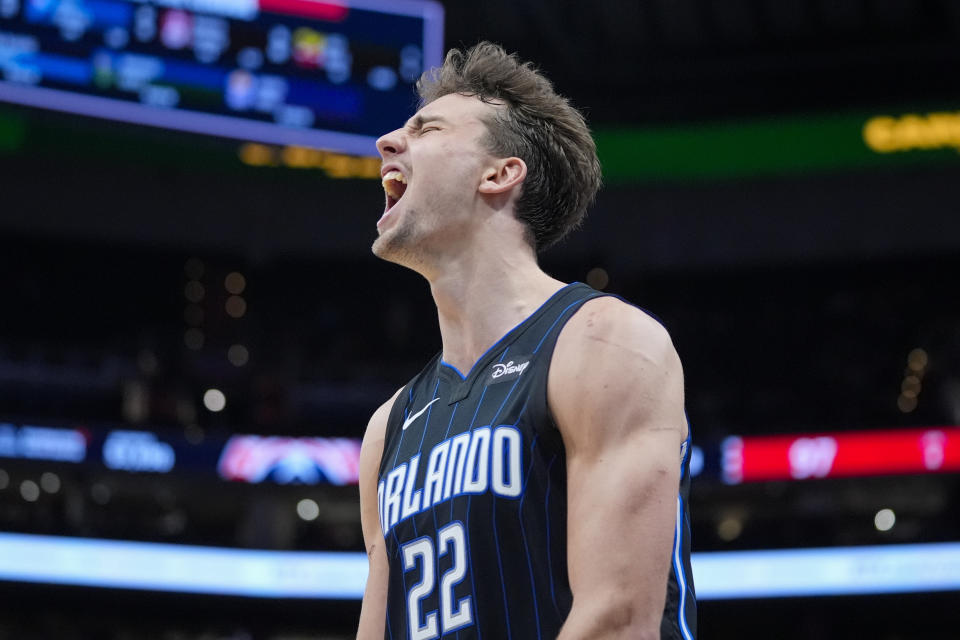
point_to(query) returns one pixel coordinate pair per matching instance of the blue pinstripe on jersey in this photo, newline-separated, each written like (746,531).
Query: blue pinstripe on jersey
(518,585)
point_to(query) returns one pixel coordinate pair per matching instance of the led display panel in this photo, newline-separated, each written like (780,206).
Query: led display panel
(835,455)
(330,75)
(723,575)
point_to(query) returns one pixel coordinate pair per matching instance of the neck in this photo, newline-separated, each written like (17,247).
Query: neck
(482,295)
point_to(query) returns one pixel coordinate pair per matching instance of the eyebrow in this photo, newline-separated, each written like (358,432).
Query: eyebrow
(417,121)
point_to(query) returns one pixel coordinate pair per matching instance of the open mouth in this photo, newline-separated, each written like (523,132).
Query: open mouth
(394,186)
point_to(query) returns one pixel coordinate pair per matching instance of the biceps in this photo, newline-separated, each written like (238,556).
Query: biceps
(621,519)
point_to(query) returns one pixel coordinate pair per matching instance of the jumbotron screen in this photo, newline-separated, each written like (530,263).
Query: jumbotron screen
(330,75)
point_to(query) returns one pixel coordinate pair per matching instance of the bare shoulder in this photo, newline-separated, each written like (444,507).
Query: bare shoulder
(371,452)
(372,447)
(612,328)
(612,356)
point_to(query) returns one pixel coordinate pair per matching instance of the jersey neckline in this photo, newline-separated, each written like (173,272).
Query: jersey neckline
(518,328)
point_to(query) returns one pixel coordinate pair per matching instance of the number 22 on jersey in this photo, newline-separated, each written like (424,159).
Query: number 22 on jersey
(453,615)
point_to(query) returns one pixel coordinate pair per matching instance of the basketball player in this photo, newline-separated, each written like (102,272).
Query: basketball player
(531,481)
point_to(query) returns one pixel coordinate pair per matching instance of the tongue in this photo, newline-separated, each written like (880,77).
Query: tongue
(395,189)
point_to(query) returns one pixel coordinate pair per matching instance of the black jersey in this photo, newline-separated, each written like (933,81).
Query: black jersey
(472,498)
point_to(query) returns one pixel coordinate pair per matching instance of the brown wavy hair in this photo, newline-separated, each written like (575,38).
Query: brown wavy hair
(537,125)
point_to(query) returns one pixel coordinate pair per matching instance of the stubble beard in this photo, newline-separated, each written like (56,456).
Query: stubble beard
(397,244)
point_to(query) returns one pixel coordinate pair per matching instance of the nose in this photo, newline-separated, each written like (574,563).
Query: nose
(391,143)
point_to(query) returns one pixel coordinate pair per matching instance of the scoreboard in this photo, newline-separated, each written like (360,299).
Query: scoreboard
(330,75)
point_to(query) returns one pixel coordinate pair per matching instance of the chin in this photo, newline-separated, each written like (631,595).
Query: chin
(395,244)
(381,248)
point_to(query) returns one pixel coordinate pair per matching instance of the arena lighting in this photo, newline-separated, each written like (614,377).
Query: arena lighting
(833,455)
(598,278)
(181,568)
(902,568)
(912,382)
(214,400)
(342,575)
(50,482)
(238,355)
(235,306)
(194,291)
(884,519)
(235,283)
(29,491)
(886,134)
(308,509)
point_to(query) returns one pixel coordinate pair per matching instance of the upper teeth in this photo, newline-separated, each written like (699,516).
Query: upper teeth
(394,175)
(391,183)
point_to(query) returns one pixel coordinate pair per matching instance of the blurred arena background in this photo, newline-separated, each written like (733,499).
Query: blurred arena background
(194,332)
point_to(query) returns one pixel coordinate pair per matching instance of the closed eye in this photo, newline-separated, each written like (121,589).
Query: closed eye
(426,129)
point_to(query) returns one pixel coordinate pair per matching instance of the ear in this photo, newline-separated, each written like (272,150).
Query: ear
(503,175)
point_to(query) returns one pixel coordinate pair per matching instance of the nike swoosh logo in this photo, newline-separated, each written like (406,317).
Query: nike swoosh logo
(409,421)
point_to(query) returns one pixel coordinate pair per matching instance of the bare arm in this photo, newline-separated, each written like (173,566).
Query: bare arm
(616,391)
(374,608)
